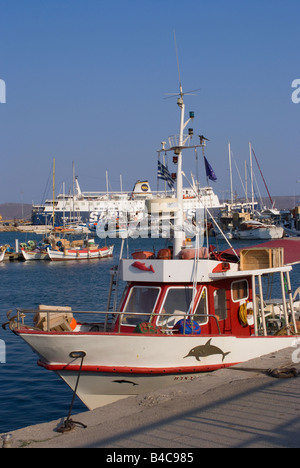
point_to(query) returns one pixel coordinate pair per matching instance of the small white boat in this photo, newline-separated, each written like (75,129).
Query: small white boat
(2,252)
(36,254)
(256,230)
(34,251)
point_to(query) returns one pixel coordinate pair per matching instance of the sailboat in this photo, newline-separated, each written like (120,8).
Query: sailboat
(180,315)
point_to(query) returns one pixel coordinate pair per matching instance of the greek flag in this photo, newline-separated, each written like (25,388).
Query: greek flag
(164,174)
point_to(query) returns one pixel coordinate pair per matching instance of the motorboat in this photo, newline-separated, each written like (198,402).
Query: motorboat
(253,229)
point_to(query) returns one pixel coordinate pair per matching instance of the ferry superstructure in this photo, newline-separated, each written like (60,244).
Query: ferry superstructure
(90,207)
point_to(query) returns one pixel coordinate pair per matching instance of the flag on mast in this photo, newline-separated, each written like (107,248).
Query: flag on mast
(164,174)
(209,170)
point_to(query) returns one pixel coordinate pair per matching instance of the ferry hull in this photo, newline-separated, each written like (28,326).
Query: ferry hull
(116,366)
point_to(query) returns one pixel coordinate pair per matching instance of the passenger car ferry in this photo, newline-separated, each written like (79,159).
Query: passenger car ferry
(186,310)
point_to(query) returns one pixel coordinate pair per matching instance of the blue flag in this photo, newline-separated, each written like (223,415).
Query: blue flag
(164,174)
(209,170)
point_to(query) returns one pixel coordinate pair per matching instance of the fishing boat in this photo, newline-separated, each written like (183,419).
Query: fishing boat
(36,254)
(33,251)
(84,249)
(186,310)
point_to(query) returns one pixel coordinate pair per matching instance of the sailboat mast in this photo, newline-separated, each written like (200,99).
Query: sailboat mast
(53,192)
(251,173)
(230,170)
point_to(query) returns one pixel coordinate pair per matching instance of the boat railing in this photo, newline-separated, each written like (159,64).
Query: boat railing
(106,324)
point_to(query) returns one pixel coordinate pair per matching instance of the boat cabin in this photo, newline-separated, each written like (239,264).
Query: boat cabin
(219,298)
(215,306)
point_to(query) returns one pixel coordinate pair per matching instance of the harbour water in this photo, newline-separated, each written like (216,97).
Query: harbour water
(28,393)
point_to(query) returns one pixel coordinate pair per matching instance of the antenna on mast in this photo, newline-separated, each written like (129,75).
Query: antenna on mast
(181,93)
(176,50)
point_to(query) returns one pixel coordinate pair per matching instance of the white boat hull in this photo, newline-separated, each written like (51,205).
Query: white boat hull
(32,255)
(116,366)
(2,255)
(80,254)
(260,233)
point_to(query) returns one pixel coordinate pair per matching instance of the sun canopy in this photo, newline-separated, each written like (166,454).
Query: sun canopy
(290,245)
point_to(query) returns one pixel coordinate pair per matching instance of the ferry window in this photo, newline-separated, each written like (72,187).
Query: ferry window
(140,305)
(239,290)
(176,305)
(201,310)
(220,304)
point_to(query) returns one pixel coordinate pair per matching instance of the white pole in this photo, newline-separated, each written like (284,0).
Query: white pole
(284,304)
(262,308)
(179,233)
(251,171)
(230,169)
(255,311)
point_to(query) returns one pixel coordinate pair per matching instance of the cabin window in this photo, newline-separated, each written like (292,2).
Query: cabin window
(201,311)
(220,304)
(177,304)
(239,290)
(140,305)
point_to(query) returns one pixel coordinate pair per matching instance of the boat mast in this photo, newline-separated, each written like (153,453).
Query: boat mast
(251,173)
(179,233)
(53,183)
(230,170)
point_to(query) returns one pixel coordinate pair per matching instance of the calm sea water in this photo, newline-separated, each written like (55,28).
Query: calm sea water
(30,394)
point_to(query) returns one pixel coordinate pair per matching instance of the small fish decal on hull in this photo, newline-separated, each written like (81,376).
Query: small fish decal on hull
(125,381)
(205,351)
(142,266)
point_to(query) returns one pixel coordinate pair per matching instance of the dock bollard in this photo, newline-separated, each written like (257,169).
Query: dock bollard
(7,441)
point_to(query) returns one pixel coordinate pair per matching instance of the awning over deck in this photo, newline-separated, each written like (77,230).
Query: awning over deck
(291,247)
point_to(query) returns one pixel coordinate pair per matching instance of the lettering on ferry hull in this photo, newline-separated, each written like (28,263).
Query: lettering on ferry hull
(205,351)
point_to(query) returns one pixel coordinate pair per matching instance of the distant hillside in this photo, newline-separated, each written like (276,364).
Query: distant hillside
(282,203)
(15,211)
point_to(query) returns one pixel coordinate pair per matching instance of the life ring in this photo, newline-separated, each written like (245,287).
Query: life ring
(245,313)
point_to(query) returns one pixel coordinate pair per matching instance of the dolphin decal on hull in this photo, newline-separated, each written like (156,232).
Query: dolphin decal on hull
(125,381)
(205,351)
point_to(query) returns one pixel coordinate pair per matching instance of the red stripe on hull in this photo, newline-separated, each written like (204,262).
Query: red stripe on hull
(134,370)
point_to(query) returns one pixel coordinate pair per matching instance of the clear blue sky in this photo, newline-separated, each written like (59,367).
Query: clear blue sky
(86,81)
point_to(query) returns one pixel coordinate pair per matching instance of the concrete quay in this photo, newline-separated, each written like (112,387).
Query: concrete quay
(239,407)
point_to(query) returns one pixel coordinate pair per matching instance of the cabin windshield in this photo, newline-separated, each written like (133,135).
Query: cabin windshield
(140,304)
(177,304)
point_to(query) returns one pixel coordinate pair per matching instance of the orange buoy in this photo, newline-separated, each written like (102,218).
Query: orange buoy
(73,324)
